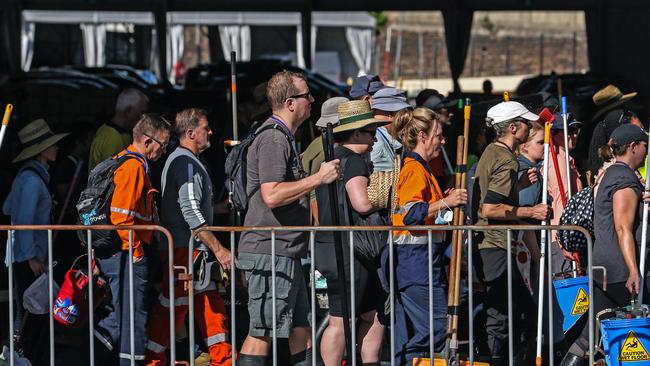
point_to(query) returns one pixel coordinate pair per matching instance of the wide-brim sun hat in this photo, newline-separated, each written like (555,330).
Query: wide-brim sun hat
(506,111)
(609,98)
(36,137)
(356,114)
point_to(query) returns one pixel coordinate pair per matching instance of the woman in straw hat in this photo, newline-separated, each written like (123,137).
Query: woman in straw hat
(354,136)
(30,203)
(420,201)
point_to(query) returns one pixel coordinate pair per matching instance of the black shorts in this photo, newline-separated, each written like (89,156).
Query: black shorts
(369,295)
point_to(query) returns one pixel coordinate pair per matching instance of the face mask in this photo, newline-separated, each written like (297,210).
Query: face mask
(445,216)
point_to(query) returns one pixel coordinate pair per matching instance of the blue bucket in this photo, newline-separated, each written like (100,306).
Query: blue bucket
(573,297)
(626,341)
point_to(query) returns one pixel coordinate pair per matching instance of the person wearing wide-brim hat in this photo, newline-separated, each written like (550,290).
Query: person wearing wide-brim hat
(29,203)
(608,98)
(354,137)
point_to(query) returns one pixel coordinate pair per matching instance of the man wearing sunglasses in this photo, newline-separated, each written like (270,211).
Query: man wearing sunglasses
(278,191)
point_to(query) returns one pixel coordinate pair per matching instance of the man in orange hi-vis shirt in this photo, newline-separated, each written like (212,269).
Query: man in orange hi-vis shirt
(132,203)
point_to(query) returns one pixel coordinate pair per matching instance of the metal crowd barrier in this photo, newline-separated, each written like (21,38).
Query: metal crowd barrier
(91,329)
(507,230)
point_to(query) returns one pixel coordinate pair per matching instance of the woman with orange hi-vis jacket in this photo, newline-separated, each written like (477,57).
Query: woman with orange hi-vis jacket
(420,201)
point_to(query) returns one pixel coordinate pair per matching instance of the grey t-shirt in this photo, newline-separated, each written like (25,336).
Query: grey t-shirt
(186,201)
(271,158)
(607,251)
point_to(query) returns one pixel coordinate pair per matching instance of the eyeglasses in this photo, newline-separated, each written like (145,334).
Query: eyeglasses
(306,95)
(162,146)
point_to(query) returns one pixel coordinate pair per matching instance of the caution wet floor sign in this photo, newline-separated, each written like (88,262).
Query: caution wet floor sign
(633,349)
(581,303)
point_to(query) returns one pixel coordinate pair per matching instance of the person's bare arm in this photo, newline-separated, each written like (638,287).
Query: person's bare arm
(455,198)
(277,194)
(624,211)
(222,254)
(357,189)
(505,212)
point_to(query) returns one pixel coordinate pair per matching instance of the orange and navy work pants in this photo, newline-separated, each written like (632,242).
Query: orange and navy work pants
(209,315)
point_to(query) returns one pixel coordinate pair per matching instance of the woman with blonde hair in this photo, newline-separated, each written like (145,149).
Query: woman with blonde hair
(420,201)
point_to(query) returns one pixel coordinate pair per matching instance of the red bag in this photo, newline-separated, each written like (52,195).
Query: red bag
(71,304)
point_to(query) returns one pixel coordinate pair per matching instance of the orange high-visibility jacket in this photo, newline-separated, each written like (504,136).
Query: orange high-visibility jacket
(133,201)
(415,184)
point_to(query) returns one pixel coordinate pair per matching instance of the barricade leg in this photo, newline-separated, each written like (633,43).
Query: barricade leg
(470,300)
(312,282)
(510,315)
(353,313)
(91,298)
(391,294)
(233,299)
(50,289)
(10,286)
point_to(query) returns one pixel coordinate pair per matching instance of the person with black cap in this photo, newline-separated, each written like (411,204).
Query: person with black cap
(602,133)
(617,227)
(365,86)
(555,190)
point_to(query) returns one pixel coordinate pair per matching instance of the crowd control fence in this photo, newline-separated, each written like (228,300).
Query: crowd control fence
(51,229)
(181,273)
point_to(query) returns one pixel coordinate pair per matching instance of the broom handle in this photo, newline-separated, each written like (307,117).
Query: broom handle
(5,122)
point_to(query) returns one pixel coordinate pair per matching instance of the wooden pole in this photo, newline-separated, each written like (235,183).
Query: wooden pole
(5,122)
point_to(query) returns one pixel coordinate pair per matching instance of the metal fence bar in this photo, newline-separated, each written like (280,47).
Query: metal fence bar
(10,285)
(312,279)
(470,300)
(91,299)
(273,297)
(353,315)
(131,304)
(590,277)
(190,298)
(233,302)
(391,280)
(50,291)
(430,275)
(510,320)
(551,293)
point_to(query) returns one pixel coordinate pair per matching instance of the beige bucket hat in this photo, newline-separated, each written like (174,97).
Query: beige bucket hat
(35,138)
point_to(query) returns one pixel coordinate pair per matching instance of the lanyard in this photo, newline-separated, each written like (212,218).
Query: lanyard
(292,138)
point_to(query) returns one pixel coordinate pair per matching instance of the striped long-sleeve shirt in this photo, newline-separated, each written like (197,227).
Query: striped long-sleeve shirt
(186,200)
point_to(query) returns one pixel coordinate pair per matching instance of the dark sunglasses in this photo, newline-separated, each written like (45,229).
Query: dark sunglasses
(306,95)
(162,146)
(574,130)
(373,133)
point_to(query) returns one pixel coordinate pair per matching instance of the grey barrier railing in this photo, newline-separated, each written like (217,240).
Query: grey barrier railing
(468,230)
(232,231)
(52,228)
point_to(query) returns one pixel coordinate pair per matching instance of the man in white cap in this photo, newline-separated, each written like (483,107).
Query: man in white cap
(496,188)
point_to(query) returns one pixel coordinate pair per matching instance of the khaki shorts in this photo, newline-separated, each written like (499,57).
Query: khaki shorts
(292,302)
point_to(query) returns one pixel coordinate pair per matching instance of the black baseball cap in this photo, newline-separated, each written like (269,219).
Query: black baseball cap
(627,133)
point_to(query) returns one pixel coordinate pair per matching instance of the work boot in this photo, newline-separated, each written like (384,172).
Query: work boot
(573,360)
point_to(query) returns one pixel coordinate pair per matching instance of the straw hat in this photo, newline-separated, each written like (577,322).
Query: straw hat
(35,138)
(356,114)
(609,98)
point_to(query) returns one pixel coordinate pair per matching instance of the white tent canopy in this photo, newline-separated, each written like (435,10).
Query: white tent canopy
(234,31)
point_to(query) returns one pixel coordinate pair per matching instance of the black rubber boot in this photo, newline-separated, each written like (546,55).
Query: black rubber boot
(573,360)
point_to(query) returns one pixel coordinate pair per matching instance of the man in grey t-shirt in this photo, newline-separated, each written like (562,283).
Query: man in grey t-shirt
(278,194)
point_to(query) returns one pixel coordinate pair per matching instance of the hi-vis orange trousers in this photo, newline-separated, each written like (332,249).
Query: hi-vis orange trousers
(209,315)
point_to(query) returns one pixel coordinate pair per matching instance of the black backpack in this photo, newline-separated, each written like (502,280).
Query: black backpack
(579,211)
(94,205)
(235,167)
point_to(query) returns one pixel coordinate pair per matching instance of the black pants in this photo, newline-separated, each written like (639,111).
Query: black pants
(23,278)
(524,309)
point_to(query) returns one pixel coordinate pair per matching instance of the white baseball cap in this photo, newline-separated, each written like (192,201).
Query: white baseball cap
(506,111)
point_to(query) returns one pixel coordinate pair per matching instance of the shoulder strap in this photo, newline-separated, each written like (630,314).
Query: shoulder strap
(38,174)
